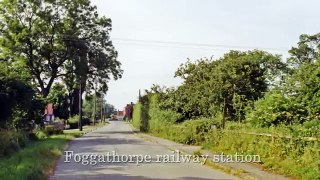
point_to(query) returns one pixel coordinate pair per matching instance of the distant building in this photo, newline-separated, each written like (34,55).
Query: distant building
(120,113)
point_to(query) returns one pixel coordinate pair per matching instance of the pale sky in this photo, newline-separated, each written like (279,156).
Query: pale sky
(273,25)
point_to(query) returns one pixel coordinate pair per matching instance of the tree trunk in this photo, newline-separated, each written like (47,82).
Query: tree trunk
(74,103)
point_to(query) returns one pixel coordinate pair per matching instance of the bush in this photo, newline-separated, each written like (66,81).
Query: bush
(41,135)
(51,130)
(85,120)
(148,116)
(312,124)
(60,124)
(158,119)
(73,122)
(275,109)
(190,132)
(11,141)
(136,119)
(295,157)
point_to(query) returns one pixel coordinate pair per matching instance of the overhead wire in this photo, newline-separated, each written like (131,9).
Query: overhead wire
(191,45)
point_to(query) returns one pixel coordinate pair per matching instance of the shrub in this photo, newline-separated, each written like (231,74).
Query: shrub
(85,120)
(275,109)
(136,119)
(312,124)
(51,130)
(148,116)
(73,122)
(11,141)
(41,135)
(158,119)
(59,124)
(295,157)
(193,131)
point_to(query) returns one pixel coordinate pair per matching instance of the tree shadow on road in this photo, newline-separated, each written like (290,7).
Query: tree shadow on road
(117,132)
(113,176)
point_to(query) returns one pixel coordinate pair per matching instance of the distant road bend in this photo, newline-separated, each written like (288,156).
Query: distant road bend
(118,140)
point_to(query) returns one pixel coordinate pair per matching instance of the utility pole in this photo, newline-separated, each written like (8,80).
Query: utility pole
(104,111)
(101,108)
(224,113)
(139,98)
(80,107)
(94,107)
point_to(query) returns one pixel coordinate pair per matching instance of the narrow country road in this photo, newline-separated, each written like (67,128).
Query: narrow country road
(117,138)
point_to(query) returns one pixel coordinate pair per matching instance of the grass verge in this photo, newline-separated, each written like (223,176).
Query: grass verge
(283,150)
(37,159)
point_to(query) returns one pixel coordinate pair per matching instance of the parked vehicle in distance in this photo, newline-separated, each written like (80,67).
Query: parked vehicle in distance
(119,118)
(113,118)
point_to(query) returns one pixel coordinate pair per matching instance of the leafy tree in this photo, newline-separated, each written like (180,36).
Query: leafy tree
(95,107)
(19,104)
(274,109)
(88,105)
(303,83)
(59,97)
(307,51)
(296,100)
(53,39)
(109,109)
(226,85)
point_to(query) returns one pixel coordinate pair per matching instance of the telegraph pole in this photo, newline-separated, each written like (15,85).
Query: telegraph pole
(94,107)
(95,103)
(101,108)
(104,110)
(80,107)
(139,98)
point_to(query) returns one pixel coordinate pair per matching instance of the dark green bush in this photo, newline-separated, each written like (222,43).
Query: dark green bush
(85,120)
(73,122)
(189,132)
(11,141)
(275,109)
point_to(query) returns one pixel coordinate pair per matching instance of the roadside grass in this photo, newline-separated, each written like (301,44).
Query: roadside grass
(292,157)
(38,158)
(286,151)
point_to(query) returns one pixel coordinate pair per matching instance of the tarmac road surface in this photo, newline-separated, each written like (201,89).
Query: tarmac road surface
(116,153)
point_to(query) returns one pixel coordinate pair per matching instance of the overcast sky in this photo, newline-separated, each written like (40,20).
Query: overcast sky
(179,25)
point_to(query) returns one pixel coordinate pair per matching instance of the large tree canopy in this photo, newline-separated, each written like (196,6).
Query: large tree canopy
(224,85)
(18,103)
(296,99)
(58,39)
(307,51)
